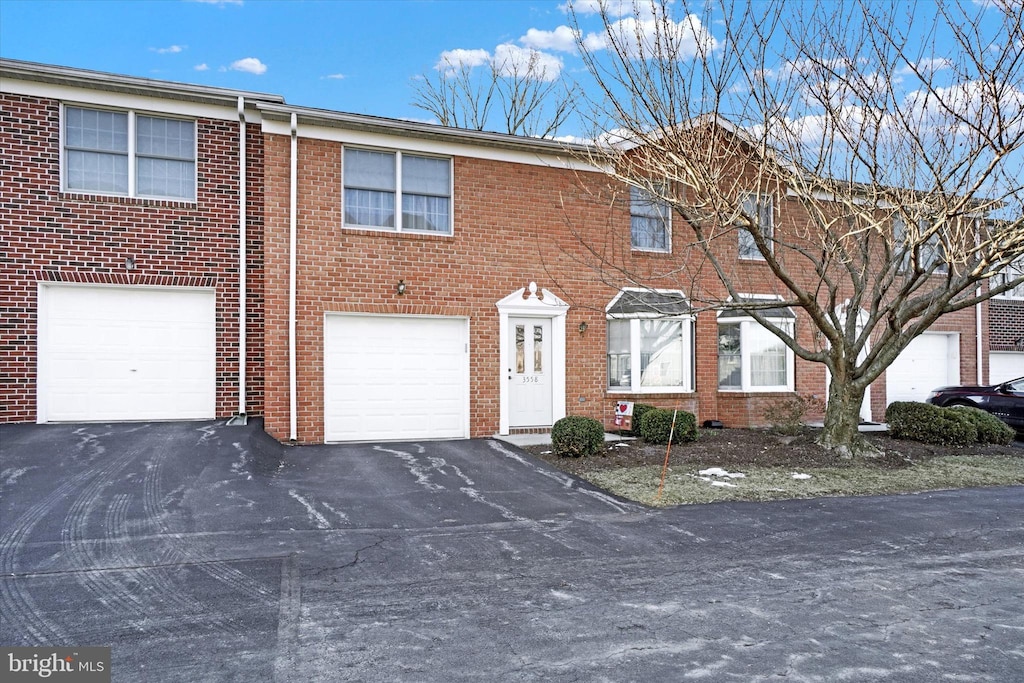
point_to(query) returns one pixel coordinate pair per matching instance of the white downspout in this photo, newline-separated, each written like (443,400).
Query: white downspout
(977,328)
(242,292)
(292,245)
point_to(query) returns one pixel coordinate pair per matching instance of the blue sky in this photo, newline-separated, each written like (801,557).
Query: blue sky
(357,56)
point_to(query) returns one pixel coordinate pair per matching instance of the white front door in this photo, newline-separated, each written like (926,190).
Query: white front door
(529,374)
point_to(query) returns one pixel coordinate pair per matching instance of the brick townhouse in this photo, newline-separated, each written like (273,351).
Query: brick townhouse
(381,279)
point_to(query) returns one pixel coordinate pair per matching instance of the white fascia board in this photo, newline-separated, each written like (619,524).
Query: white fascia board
(455,147)
(117,100)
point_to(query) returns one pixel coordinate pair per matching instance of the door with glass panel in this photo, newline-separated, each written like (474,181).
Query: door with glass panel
(529,374)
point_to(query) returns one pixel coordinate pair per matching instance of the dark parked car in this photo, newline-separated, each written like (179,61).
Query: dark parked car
(1005,401)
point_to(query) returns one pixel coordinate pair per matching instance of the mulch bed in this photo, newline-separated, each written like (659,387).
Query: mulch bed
(737,448)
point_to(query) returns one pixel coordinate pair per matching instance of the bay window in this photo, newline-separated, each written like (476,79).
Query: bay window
(397,191)
(649,352)
(750,357)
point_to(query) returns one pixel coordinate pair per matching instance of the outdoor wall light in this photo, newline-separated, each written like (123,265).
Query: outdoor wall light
(583,327)
(129,263)
(400,288)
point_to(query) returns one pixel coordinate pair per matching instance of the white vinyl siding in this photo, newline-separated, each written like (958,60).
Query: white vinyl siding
(377,183)
(129,154)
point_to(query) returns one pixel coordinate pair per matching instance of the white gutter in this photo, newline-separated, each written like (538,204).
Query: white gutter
(292,228)
(242,292)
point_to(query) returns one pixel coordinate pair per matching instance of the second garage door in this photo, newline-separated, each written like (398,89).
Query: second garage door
(391,378)
(930,361)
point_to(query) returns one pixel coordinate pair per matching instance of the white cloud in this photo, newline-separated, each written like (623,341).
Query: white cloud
(201,67)
(171,49)
(926,67)
(453,60)
(512,60)
(613,8)
(655,37)
(335,77)
(562,39)
(220,3)
(249,65)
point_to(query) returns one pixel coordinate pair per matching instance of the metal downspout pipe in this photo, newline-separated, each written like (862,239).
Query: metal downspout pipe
(292,245)
(243,196)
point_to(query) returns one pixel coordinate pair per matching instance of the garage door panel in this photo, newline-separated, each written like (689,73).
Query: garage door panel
(127,353)
(395,377)
(928,362)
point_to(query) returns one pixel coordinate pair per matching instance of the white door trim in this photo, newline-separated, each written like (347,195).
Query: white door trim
(525,303)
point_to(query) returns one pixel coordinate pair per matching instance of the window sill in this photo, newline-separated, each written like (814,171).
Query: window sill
(667,391)
(129,201)
(640,251)
(750,391)
(386,232)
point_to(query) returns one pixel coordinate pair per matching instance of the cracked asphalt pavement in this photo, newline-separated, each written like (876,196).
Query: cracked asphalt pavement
(206,552)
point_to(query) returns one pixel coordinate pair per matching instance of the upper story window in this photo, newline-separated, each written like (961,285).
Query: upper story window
(130,154)
(377,183)
(759,208)
(916,255)
(650,342)
(1011,272)
(649,221)
(750,357)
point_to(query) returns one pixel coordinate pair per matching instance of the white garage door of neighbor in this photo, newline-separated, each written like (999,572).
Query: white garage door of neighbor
(126,353)
(1005,365)
(930,361)
(393,378)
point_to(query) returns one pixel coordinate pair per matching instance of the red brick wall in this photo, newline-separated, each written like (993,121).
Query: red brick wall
(74,237)
(1007,324)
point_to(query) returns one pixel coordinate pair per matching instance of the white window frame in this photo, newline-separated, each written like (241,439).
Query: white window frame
(643,196)
(913,256)
(747,324)
(399,228)
(687,331)
(747,248)
(131,154)
(1012,271)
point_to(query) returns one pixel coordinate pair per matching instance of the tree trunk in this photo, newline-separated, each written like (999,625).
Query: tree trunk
(842,419)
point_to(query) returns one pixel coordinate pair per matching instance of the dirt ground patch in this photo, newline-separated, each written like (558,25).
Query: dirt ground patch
(763,460)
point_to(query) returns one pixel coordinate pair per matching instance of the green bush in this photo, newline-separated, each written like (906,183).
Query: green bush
(990,428)
(656,426)
(639,410)
(575,436)
(930,424)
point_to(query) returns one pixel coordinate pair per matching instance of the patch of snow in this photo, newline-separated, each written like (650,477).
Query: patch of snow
(800,475)
(723,483)
(719,472)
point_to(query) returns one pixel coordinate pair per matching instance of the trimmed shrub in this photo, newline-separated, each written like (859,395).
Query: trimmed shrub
(930,424)
(990,428)
(639,410)
(575,436)
(656,426)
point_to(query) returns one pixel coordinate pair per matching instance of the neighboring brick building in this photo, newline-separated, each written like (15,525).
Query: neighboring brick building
(401,280)
(1006,325)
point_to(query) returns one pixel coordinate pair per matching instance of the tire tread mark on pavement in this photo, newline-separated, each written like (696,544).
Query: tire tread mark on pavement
(288,619)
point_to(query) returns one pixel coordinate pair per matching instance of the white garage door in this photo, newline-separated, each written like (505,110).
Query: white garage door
(126,353)
(1005,365)
(389,378)
(930,361)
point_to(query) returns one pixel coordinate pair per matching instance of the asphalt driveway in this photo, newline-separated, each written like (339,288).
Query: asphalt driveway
(202,552)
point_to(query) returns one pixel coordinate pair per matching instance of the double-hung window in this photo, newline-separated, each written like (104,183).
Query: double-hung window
(750,357)
(650,342)
(128,153)
(397,191)
(1008,274)
(649,221)
(758,209)
(918,255)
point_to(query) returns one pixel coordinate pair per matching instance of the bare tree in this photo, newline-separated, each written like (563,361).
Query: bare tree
(883,140)
(507,94)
